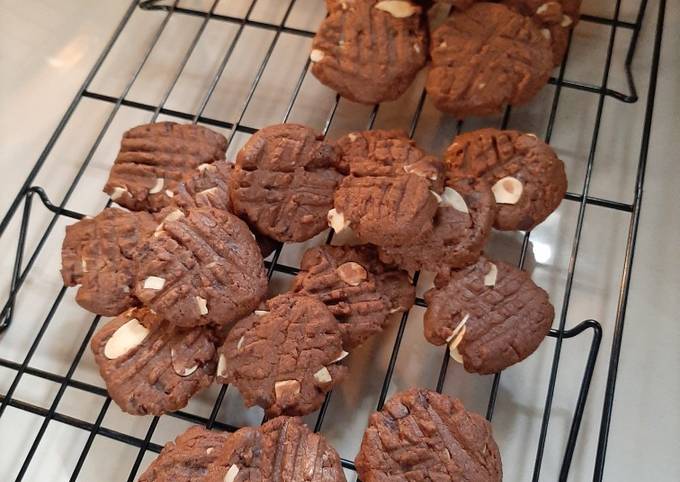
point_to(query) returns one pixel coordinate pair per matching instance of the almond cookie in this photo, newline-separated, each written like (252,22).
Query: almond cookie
(387,153)
(491,314)
(283,449)
(98,254)
(426,436)
(285,359)
(149,366)
(284,181)
(187,458)
(390,195)
(208,187)
(555,18)
(526,176)
(369,51)
(153,159)
(485,58)
(200,268)
(205,187)
(356,287)
(462,226)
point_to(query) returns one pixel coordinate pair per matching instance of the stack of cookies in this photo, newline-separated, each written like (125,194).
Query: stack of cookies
(421,213)
(181,269)
(484,56)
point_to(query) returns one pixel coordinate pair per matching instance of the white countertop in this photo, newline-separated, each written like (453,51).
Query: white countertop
(47,48)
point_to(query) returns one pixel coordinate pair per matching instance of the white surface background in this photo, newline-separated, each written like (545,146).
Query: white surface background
(47,48)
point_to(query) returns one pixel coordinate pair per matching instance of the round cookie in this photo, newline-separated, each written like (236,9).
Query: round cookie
(527,178)
(285,359)
(187,458)
(154,158)
(390,195)
(200,268)
(485,58)
(369,51)
(555,18)
(98,254)
(357,288)
(283,449)
(284,181)
(462,226)
(208,187)
(491,314)
(426,436)
(149,366)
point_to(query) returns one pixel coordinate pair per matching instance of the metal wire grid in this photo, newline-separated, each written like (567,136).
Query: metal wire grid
(28,192)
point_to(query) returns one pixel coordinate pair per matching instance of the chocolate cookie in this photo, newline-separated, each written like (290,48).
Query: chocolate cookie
(527,177)
(149,366)
(461,228)
(153,158)
(369,51)
(390,195)
(484,58)
(98,253)
(555,18)
(202,267)
(283,449)
(388,153)
(491,314)
(208,187)
(426,436)
(284,181)
(205,187)
(356,287)
(284,359)
(187,458)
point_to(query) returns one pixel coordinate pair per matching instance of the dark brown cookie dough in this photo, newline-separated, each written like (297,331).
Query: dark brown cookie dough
(285,359)
(284,181)
(202,267)
(98,254)
(536,173)
(283,449)
(422,435)
(485,58)
(149,366)
(187,458)
(369,51)
(208,187)
(506,315)
(461,228)
(356,287)
(390,195)
(154,158)
(555,18)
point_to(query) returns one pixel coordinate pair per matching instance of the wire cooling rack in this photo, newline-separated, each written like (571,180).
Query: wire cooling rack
(23,205)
